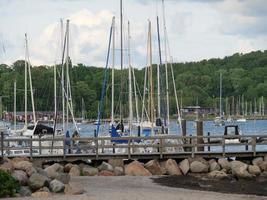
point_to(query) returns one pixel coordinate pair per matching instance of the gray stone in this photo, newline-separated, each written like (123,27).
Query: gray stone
(184,166)
(263,166)
(214,166)
(90,171)
(25,191)
(25,166)
(37,181)
(6,165)
(63,177)
(116,162)
(53,170)
(257,161)
(154,167)
(254,169)
(67,167)
(73,189)
(136,168)
(105,166)
(20,176)
(75,171)
(41,194)
(198,167)
(240,169)
(56,186)
(118,171)
(224,163)
(217,174)
(172,167)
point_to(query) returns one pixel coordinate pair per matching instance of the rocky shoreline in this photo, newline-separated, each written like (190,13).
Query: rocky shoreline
(55,178)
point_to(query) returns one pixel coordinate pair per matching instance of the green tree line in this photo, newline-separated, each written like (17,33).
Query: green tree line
(196,83)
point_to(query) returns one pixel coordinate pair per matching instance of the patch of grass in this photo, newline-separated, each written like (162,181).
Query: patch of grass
(8,185)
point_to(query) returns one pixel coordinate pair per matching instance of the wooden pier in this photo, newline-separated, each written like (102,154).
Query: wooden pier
(157,147)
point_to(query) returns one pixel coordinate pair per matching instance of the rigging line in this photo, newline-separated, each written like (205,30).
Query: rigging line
(104,81)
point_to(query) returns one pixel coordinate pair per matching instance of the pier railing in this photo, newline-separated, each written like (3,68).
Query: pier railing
(160,146)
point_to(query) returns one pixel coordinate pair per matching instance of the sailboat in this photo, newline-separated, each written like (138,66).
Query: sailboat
(219,121)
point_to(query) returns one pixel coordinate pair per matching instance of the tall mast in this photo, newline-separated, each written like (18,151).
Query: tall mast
(67,74)
(166,65)
(15,106)
(62,76)
(220,94)
(25,83)
(136,98)
(112,73)
(130,81)
(55,91)
(158,68)
(121,57)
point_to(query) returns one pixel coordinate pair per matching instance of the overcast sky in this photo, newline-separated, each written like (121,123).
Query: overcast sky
(197,29)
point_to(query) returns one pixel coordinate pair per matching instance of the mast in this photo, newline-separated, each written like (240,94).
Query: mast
(55,91)
(221,95)
(136,98)
(67,74)
(62,76)
(130,81)
(15,104)
(25,84)
(166,66)
(112,73)
(158,68)
(121,57)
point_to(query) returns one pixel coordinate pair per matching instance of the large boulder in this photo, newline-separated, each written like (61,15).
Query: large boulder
(254,169)
(41,194)
(53,170)
(67,167)
(224,163)
(163,167)
(37,181)
(20,176)
(214,166)
(19,159)
(25,166)
(90,171)
(154,167)
(198,167)
(217,174)
(257,161)
(105,166)
(56,186)
(184,166)
(263,166)
(116,162)
(25,191)
(239,169)
(63,177)
(106,173)
(6,165)
(135,168)
(73,189)
(172,167)
(75,171)
(118,171)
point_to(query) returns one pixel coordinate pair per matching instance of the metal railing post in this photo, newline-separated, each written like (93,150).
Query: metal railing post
(223,146)
(31,147)
(40,144)
(2,144)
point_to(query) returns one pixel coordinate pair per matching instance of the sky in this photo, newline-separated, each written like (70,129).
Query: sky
(196,29)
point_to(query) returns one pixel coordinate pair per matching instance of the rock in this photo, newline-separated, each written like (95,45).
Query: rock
(116,162)
(37,181)
(41,194)
(265,158)
(75,171)
(163,168)
(20,176)
(41,171)
(172,167)
(25,191)
(56,186)
(19,159)
(225,164)
(63,177)
(254,169)
(67,167)
(217,174)
(214,166)
(25,166)
(239,169)
(118,171)
(184,166)
(263,166)
(6,165)
(135,168)
(45,189)
(73,189)
(106,173)
(53,170)
(105,166)
(153,167)
(198,167)
(257,161)
(90,171)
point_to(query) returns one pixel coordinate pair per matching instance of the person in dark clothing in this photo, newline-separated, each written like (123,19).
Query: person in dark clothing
(120,126)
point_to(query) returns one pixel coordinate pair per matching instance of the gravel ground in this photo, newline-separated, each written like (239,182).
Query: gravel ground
(138,188)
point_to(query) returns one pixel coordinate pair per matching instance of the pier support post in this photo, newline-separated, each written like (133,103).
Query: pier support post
(200,135)
(2,144)
(183,127)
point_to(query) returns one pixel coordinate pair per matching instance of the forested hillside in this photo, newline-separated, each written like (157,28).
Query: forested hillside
(243,74)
